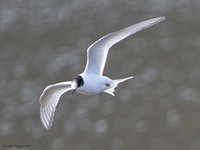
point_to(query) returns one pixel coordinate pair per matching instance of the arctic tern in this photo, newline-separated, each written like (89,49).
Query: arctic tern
(91,81)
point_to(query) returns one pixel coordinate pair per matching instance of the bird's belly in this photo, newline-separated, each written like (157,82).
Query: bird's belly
(87,92)
(90,90)
(93,84)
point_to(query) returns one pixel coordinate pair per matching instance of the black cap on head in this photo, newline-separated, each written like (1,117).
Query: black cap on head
(79,82)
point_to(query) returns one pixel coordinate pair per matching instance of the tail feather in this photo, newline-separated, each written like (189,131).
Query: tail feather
(116,82)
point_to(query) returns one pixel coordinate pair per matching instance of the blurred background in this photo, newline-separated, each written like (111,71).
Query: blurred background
(45,42)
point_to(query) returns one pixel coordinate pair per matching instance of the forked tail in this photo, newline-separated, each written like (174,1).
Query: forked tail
(116,82)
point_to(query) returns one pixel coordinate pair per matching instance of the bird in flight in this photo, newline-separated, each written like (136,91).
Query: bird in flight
(91,81)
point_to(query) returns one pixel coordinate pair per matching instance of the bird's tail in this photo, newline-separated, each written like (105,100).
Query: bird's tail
(116,82)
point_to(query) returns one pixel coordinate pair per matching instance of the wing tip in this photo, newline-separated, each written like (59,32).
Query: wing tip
(159,19)
(162,17)
(46,123)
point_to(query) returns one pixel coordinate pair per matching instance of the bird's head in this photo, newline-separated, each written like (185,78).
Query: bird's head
(77,83)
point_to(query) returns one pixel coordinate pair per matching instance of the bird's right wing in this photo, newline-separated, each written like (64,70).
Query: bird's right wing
(49,100)
(97,52)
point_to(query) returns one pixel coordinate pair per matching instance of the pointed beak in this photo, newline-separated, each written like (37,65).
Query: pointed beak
(73,91)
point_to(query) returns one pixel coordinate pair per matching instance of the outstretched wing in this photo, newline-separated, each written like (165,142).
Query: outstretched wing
(97,52)
(49,100)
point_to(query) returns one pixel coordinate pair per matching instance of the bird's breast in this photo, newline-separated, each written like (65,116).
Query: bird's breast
(92,85)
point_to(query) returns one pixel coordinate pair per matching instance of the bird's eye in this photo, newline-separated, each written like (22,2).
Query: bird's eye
(107,84)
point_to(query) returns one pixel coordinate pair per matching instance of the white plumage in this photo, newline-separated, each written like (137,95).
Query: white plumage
(91,81)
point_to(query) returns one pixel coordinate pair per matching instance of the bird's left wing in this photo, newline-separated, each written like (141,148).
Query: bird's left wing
(49,100)
(97,52)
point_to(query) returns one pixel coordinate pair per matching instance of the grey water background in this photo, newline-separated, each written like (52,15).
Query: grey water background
(45,42)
